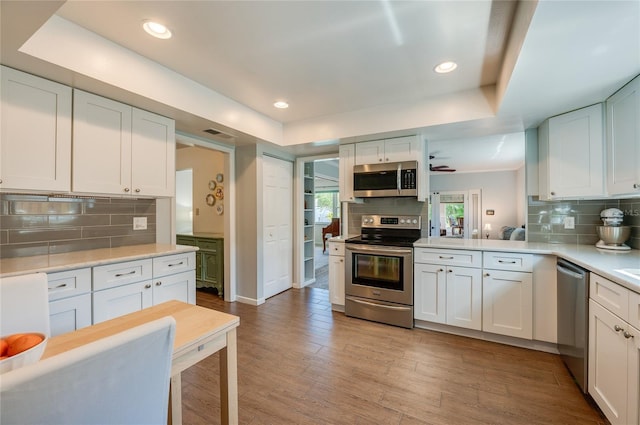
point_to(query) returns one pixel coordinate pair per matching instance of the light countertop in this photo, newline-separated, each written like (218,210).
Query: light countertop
(90,258)
(600,261)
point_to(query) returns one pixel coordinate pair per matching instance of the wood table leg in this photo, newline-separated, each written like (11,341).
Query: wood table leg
(175,400)
(229,380)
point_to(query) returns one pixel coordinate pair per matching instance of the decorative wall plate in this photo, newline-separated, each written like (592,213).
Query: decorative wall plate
(219,193)
(212,184)
(219,177)
(210,200)
(219,209)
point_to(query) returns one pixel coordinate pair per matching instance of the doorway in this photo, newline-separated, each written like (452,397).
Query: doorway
(455,214)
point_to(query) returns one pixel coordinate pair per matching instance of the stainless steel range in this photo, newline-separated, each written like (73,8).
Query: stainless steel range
(379,270)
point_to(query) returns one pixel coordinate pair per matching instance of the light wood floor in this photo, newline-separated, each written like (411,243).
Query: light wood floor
(300,363)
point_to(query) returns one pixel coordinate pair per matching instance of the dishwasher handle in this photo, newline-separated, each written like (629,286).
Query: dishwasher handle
(571,273)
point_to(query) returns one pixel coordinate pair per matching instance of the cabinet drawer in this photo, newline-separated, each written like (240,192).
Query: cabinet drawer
(336,248)
(116,274)
(448,256)
(208,244)
(172,264)
(507,261)
(611,296)
(634,309)
(185,240)
(69,283)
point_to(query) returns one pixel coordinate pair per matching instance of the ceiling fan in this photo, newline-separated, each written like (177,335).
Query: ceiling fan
(440,168)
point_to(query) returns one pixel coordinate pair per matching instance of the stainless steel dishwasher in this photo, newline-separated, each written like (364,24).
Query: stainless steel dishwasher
(573,319)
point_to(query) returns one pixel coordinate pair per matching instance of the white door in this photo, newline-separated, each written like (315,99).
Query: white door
(277,224)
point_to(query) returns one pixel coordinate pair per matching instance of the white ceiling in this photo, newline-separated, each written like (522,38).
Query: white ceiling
(351,70)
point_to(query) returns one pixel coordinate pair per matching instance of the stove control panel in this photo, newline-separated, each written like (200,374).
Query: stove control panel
(392,222)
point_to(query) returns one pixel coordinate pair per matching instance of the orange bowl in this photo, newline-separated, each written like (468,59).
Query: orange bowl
(32,355)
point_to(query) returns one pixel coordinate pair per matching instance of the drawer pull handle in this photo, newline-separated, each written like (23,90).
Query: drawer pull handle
(627,335)
(617,328)
(440,270)
(506,262)
(177,264)
(62,285)
(445,258)
(487,275)
(158,283)
(147,286)
(125,274)
(449,271)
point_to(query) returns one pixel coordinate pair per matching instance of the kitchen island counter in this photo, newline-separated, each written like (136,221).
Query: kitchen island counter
(600,261)
(88,258)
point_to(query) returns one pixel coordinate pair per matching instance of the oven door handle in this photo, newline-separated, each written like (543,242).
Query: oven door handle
(373,250)
(373,304)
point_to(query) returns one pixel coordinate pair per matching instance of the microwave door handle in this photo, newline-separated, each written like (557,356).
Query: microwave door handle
(398,178)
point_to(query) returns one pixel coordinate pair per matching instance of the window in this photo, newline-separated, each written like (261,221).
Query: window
(327,206)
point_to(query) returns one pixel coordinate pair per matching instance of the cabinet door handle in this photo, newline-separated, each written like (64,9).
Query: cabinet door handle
(627,335)
(147,286)
(635,185)
(341,260)
(445,258)
(126,189)
(440,270)
(177,264)
(506,262)
(487,275)
(125,274)
(158,283)
(449,271)
(617,328)
(0,181)
(553,193)
(137,190)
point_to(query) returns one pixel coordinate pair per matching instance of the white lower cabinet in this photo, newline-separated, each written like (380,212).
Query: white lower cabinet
(336,275)
(507,303)
(121,300)
(448,294)
(122,288)
(69,300)
(614,353)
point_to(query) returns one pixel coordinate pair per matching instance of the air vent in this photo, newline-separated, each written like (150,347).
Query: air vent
(218,133)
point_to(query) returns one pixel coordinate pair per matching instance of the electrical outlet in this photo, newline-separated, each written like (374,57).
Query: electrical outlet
(139,223)
(569,222)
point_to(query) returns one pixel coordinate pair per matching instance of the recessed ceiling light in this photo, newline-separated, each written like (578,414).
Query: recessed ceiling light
(156,29)
(281,104)
(445,67)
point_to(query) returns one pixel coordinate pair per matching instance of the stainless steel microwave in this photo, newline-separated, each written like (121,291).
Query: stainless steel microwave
(386,180)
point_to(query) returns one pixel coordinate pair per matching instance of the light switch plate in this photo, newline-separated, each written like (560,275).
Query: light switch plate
(569,222)
(139,223)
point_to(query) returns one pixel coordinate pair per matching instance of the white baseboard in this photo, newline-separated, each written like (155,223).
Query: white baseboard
(250,301)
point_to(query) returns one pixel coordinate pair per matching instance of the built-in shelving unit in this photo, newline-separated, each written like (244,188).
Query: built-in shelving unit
(309,221)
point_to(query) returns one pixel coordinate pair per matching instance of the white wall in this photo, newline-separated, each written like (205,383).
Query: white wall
(499,193)
(206,165)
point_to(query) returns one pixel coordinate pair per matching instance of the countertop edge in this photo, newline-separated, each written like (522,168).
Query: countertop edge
(89,258)
(586,256)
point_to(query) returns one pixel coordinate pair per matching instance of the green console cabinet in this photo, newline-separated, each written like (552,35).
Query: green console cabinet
(209,260)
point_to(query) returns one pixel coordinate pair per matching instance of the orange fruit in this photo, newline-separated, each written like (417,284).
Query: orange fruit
(3,347)
(12,338)
(23,343)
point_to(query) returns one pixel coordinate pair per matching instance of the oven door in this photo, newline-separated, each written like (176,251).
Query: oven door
(383,273)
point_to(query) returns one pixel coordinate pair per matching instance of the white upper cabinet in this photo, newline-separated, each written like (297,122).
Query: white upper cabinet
(35,135)
(390,150)
(347,161)
(121,150)
(623,140)
(571,155)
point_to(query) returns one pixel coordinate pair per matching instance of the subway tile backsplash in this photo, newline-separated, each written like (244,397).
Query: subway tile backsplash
(39,224)
(546,220)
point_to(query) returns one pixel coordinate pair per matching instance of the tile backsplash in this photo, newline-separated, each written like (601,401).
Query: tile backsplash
(40,224)
(546,220)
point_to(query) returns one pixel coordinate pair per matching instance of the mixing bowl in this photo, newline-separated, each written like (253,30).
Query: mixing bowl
(613,235)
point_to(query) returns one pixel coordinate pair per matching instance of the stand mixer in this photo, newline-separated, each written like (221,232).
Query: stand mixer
(612,234)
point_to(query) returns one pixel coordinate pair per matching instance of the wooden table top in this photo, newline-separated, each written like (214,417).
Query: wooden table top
(193,324)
